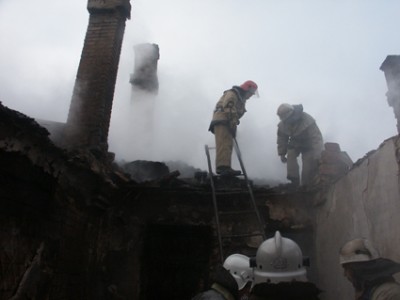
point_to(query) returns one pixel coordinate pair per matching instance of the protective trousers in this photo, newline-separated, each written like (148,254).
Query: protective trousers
(309,160)
(224,145)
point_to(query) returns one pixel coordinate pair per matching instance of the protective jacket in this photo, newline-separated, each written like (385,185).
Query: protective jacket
(299,132)
(217,292)
(294,290)
(229,109)
(377,279)
(224,287)
(384,291)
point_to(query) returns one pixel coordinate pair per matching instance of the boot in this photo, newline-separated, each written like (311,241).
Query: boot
(227,171)
(295,182)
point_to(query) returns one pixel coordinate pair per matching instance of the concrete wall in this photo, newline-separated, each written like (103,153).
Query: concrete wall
(364,203)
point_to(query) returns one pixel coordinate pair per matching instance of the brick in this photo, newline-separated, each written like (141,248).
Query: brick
(334,147)
(330,157)
(332,169)
(345,158)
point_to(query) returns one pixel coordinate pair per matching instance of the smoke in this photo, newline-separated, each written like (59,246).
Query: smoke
(325,55)
(197,65)
(168,126)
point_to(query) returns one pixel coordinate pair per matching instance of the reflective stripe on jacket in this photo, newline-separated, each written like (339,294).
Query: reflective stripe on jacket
(386,291)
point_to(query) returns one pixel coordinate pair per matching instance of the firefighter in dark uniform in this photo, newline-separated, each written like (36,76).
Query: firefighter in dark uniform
(370,274)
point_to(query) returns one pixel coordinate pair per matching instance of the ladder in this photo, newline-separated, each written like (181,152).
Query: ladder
(238,213)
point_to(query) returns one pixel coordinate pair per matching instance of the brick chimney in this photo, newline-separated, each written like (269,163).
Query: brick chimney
(145,77)
(391,68)
(90,110)
(334,163)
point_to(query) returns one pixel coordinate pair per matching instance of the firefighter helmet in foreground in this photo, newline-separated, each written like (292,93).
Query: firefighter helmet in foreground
(284,111)
(279,259)
(250,86)
(357,250)
(239,267)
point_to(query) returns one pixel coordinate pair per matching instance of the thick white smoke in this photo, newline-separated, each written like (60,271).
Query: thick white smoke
(325,55)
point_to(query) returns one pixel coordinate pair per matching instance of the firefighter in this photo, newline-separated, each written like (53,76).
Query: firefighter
(370,275)
(228,110)
(239,267)
(298,133)
(229,280)
(279,272)
(224,287)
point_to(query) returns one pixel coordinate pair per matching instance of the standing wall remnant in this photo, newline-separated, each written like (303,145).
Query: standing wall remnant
(391,68)
(90,110)
(363,203)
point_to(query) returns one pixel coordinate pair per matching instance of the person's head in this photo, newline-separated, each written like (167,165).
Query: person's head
(249,88)
(285,110)
(290,113)
(239,267)
(355,256)
(279,259)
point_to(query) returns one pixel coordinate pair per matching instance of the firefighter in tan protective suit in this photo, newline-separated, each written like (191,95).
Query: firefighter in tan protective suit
(371,275)
(228,110)
(298,134)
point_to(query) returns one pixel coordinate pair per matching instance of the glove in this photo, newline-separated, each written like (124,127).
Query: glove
(233,123)
(233,131)
(233,127)
(283,158)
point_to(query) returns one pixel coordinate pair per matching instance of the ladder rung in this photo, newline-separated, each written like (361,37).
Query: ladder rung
(241,235)
(218,175)
(244,212)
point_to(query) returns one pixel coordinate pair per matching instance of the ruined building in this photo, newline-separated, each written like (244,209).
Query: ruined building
(74,225)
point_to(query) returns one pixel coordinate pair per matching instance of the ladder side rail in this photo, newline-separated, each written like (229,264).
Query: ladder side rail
(214,198)
(253,202)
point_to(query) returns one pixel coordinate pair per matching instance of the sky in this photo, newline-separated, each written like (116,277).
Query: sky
(324,54)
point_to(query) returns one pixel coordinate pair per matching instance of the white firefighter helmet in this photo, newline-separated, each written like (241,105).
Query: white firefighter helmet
(357,250)
(284,111)
(239,267)
(279,259)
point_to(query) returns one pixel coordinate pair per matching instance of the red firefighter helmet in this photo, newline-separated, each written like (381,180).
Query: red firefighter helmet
(250,86)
